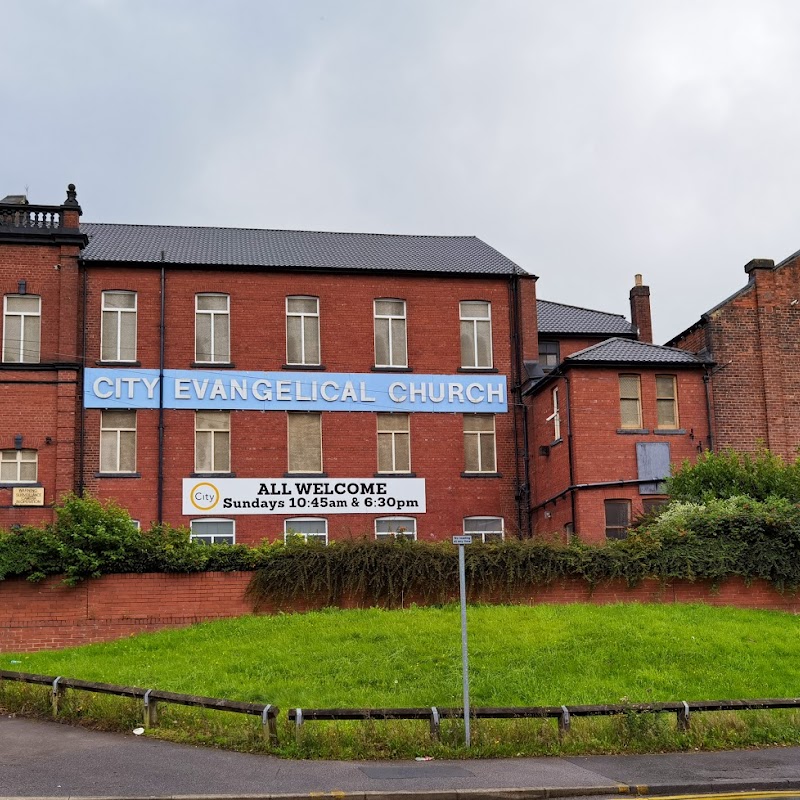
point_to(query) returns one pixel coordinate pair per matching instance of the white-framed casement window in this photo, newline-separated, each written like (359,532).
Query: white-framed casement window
(118,326)
(667,402)
(212,329)
(118,441)
(476,334)
(302,331)
(212,441)
(390,333)
(19,466)
(396,528)
(394,443)
(487,529)
(213,531)
(136,524)
(479,443)
(630,401)
(304,441)
(555,417)
(22,328)
(307,529)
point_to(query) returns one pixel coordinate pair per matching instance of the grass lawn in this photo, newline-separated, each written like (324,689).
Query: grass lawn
(542,655)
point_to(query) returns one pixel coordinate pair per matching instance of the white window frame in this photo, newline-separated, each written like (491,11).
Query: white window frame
(393,434)
(216,356)
(303,315)
(214,446)
(501,528)
(555,417)
(402,531)
(118,431)
(118,312)
(288,535)
(638,398)
(201,537)
(389,318)
(18,461)
(20,349)
(471,360)
(478,436)
(673,400)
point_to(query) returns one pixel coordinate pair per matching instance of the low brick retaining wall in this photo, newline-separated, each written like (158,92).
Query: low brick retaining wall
(47,615)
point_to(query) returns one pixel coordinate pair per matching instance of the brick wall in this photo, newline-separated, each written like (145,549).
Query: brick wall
(49,615)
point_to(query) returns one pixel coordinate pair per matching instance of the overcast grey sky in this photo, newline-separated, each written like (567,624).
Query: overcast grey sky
(586,140)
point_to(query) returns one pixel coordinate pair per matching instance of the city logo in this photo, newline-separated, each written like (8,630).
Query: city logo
(204,496)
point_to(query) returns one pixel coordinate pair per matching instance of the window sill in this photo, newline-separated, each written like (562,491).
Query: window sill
(305,474)
(481,474)
(212,475)
(304,367)
(212,365)
(670,432)
(478,369)
(118,363)
(632,431)
(391,369)
(118,475)
(395,475)
(20,484)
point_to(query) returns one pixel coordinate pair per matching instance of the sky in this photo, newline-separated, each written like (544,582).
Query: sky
(586,140)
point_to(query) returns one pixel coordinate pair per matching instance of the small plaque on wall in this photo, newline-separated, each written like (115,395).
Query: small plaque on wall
(27,496)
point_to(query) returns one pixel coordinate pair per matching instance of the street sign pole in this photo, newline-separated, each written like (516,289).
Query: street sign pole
(462,586)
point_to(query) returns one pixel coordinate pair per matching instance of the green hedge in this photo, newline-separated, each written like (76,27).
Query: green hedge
(736,536)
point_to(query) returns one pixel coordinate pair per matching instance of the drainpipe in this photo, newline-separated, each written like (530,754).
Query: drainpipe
(161,397)
(707,385)
(81,379)
(571,456)
(517,366)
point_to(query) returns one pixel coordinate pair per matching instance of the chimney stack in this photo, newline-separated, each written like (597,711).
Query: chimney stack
(640,311)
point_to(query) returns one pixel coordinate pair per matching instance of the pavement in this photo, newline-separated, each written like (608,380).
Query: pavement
(52,760)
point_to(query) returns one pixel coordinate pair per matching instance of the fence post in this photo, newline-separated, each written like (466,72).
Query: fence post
(564,721)
(434,723)
(298,725)
(269,725)
(683,717)
(57,692)
(150,711)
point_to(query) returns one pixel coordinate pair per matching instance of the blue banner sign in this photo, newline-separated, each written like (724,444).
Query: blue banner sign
(294,391)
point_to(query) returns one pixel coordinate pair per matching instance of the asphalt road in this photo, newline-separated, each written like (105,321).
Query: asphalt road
(48,759)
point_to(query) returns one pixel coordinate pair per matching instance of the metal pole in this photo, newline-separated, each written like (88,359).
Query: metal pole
(465,666)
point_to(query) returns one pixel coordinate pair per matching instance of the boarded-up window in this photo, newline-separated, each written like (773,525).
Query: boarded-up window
(652,460)
(618,518)
(305,442)
(630,401)
(212,441)
(479,445)
(118,441)
(394,443)
(667,401)
(476,334)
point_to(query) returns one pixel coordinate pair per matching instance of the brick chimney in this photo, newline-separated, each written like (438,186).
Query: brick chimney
(640,311)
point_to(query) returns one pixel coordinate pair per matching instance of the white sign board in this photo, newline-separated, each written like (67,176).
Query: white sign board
(317,496)
(462,540)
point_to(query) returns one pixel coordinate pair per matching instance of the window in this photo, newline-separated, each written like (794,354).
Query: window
(307,529)
(212,337)
(479,451)
(487,529)
(305,442)
(212,441)
(651,505)
(618,518)
(555,417)
(118,441)
(396,528)
(22,325)
(394,443)
(549,356)
(390,333)
(476,334)
(302,331)
(118,327)
(667,402)
(136,524)
(630,401)
(18,466)
(213,531)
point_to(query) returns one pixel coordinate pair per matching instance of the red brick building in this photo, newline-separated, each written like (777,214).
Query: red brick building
(254,383)
(753,337)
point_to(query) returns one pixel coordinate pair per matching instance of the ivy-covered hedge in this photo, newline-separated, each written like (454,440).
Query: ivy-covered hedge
(713,540)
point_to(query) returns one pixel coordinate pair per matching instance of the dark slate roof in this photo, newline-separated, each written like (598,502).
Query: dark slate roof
(629,351)
(558,318)
(243,247)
